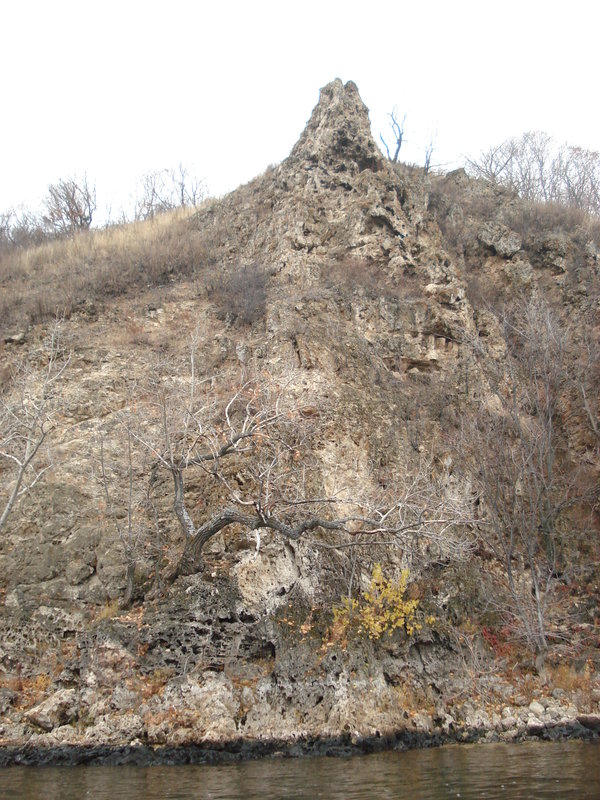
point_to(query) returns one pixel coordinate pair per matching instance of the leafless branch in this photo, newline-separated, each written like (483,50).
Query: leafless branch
(26,420)
(69,206)
(397,128)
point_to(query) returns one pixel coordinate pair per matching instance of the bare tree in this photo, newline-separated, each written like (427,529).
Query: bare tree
(191,189)
(69,206)
(541,171)
(397,128)
(166,189)
(580,178)
(20,228)
(428,155)
(128,502)
(493,164)
(249,450)
(26,421)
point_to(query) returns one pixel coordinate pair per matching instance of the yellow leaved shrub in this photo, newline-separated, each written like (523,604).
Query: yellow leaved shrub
(383,608)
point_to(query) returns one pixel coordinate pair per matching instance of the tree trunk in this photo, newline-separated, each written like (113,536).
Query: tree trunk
(130,585)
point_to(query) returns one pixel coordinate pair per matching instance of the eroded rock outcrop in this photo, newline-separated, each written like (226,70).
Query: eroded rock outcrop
(345,280)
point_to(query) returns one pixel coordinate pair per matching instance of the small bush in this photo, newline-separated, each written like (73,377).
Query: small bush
(155,683)
(382,609)
(531,219)
(240,296)
(108,611)
(350,274)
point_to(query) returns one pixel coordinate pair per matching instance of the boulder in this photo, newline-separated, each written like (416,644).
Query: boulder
(59,709)
(500,239)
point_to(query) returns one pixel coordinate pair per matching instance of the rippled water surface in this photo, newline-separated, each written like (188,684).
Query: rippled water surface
(531,770)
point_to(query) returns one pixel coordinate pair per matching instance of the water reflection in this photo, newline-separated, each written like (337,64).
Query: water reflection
(531,770)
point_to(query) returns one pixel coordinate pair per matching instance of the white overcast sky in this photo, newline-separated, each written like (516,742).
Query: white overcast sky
(115,89)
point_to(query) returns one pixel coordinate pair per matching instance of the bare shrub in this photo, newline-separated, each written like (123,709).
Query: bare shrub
(240,295)
(26,422)
(127,502)
(349,274)
(483,293)
(572,229)
(69,206)
(524,482)
(532,218)
(454,203)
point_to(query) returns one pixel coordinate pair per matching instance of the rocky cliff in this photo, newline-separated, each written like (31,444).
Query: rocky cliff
(413,329)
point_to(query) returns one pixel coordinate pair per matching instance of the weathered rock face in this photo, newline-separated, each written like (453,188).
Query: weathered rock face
(350,282)
(338,134)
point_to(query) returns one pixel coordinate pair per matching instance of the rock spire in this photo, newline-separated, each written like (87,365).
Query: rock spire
(339,131)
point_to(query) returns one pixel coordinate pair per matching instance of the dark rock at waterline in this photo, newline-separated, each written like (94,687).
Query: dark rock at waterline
(242,749)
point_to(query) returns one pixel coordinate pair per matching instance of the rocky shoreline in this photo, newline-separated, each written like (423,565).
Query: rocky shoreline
(424,734)
(307,699)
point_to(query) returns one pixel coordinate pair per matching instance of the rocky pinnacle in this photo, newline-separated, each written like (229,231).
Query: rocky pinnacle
(339,131)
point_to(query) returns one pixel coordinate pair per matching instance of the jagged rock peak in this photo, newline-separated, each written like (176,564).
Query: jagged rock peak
(339,130)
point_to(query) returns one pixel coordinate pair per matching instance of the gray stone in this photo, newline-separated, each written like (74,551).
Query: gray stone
(6,698)
(77,572)
(124,699)
(537,709)
(500,239)
(339,131)
(59,709)
(15,338)
(591,721)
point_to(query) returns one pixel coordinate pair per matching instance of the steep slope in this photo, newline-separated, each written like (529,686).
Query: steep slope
(337,283)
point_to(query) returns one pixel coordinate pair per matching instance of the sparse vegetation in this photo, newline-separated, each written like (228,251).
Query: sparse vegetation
(61,276)
(240,296)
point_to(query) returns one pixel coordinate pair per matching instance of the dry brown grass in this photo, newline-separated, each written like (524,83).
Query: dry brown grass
(30,689)
(59,276)
(568,678)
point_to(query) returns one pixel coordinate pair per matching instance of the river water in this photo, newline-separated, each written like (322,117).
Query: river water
(534,771)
